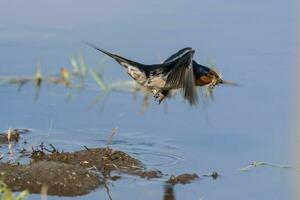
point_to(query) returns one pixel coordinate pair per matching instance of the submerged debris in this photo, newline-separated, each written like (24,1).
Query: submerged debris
(214,175)
(182,179)
(61,179)
(11,135)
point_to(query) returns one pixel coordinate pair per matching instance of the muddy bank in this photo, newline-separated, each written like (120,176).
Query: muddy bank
(71,173)
(76,173)
(105,160)
(58,178)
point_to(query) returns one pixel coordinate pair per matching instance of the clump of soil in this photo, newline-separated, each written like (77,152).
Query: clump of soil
(104,160)
(182,179)
(60,179)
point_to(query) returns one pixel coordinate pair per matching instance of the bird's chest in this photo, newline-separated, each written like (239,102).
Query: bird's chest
(203,80)
(157,81)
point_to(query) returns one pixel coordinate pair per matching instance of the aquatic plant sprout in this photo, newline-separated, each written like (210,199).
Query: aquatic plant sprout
(255,164)
(7,194)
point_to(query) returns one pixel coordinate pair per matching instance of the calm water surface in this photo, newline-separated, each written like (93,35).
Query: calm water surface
(250,42)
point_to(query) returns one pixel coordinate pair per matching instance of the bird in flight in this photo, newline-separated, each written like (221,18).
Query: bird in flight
(179,71)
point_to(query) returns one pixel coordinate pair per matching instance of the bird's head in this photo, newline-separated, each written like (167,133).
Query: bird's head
(215,78)
(205,75)
(208,76)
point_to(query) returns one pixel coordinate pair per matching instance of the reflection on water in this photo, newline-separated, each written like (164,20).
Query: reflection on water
(75,79)
(169,192)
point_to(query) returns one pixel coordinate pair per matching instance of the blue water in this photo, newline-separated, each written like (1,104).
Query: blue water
(250,42)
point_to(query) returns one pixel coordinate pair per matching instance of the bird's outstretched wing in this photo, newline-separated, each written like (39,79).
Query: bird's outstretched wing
(178,54)
(182,74)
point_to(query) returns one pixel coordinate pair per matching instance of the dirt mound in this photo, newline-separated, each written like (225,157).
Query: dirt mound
(58,178)
(71,173)
(105,160)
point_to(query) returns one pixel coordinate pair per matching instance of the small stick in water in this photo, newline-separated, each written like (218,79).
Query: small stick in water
(113,132)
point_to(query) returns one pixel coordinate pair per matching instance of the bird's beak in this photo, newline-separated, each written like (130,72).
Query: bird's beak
(225,82)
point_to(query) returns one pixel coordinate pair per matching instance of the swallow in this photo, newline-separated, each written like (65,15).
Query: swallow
(179,71)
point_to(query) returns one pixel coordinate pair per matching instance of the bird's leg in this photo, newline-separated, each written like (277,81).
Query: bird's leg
(161,95)
(161,98)
(156,95)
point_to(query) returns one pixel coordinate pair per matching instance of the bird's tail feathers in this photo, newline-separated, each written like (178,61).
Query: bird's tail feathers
(114,56)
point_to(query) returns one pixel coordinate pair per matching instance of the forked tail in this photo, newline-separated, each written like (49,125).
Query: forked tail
(119,59)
